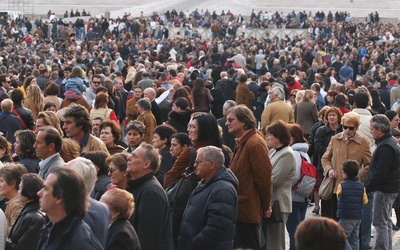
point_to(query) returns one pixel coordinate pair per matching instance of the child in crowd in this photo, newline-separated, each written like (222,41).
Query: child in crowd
(351,196)
(74,86)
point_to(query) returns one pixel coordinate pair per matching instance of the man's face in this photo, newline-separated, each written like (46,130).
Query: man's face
(96,82)
(67,74)
(46,199)
(96,126)
(136,165)
(7,83)
(148,94)
(235,127)
(202,166)
(118,85)
(138,93)
(376,133)
(42,149)
(70,128)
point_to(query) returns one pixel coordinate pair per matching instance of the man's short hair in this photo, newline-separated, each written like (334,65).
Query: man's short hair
(144,103)
(381,122)
(350,167)
(361,99)
(213,153)
(86,168)
(243,78)
(81,115)
(70,187)
(151,155)
(52,136)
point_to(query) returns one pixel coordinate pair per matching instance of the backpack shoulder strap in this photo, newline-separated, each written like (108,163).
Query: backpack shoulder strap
(192,159)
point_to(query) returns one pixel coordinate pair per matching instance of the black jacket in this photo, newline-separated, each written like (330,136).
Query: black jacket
(210,216)
(166,163)
(25,231)
(321,140)
(69,233)
(179,120)
(151,218)
(122,236)
(26,116)
(384,170)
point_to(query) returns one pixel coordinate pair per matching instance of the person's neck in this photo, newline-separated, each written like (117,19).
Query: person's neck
(57,216)
(12,194)
(334,126)
(79,136)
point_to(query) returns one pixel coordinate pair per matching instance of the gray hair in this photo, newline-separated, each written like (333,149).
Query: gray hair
(86,169)
(151,155)
(279,92)
(144,103)
(229,104)
(213,153)
(381,122)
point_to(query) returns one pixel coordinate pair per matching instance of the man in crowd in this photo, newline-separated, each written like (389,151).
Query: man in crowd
(64,200)
(5,84)
(77,126)
(150,94)
(383,179)
(131,110)
(97,216)
(151,219)
(252,167)
(90,93)
(9,123)
(212,205)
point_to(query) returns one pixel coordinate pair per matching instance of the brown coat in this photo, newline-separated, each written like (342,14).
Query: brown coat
(252,167)
(244,95)
(131,110)
(150,124)
(276,110)
(340,150)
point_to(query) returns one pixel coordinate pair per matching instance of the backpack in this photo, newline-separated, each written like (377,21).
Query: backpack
(305,185)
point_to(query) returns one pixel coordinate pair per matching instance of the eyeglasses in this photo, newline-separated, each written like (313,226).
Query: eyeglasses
(347,127)
(199,162)
(8,81)
(230,119)
(96,82)
(110,170)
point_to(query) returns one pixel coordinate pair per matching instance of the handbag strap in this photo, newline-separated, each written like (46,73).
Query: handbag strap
(191,160)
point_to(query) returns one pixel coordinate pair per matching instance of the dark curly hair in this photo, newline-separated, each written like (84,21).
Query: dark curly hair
(26,138)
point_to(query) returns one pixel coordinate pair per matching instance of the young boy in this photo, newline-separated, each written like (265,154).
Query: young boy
(351,196)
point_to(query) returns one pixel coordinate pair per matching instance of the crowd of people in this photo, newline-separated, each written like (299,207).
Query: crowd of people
(117,136)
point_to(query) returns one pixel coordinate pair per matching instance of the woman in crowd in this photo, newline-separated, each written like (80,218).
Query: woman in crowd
(69,149)
(51,92)
(30,80)
(330,97)
(134,135)
(179,143)
(162,142)
(24,151)
(321,141)
(179,117)
(147,118)
(292,98)
(103,182)
(202,96)
(100,108)
(23,113)
(341,103)
(5,151)
(50,106)
(48,118)
(377,106)
(10,177)
(121,234)
(283,171)
(34,100)
(347,145)
(299,202)
(306,112)
(117,170)
(110,134)
(27,227)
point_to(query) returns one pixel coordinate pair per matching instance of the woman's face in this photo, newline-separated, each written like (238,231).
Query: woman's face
(175,108)
(17,146)
(134,138)
(5,188)
(117,176)
(176,148)
(394,123)
(158,143)
(349,128)
(329,98)
(106,136)
(193,130)
(333,118)
(273,142)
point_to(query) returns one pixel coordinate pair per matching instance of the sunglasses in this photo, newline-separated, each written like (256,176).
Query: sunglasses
(347,127)
(96,82)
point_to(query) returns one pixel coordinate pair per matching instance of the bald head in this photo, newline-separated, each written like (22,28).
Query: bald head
(6,104)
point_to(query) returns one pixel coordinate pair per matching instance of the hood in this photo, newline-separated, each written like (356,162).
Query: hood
(302,147)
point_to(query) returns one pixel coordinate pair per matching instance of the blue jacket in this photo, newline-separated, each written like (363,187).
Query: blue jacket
(384,171)
(350,202)
(75,84)
(210,215)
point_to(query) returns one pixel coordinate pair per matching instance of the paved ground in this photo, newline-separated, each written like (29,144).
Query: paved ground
(357,8)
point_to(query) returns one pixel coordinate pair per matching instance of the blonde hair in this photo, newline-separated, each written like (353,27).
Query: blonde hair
(51,119)
(34,101)
(69,149)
